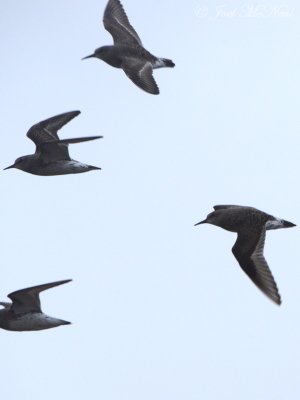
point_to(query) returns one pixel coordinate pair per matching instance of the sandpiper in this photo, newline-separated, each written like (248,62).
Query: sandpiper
(128,52)
(25,314)
(52,155)
(250,224)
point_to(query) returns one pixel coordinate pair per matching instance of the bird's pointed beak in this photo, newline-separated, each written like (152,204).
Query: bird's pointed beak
(287,224)
(11,166)
(90,56)
(201,222)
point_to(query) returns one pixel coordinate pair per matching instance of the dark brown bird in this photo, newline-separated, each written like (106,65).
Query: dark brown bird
(250,224)
(128,52)
(52,154)
(25,313)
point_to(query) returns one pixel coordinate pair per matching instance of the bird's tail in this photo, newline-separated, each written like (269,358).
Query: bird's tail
(63,322)
(168,63)
(164,62)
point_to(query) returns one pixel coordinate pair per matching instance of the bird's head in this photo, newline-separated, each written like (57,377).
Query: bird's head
(210,219)
(20,163)
(98,53)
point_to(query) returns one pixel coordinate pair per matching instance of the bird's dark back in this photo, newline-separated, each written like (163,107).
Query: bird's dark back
(240,218)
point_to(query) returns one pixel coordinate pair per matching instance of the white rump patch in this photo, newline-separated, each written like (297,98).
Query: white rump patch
(159,63)
(275,224)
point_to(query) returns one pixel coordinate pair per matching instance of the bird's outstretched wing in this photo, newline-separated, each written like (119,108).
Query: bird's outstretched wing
(248,250)
(141,73)
(49,147)
(58,150)
(117,24)
(28,300)
(78,140)
(46,131)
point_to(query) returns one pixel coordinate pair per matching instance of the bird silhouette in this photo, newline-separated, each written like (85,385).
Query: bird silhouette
(25,313)
(128,52)
(251,226)
(52,154)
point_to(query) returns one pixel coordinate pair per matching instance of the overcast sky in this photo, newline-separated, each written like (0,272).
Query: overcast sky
(160,308)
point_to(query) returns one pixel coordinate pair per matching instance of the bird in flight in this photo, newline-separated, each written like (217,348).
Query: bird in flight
(128,52)
(251,225)
(25,313)
(51,156)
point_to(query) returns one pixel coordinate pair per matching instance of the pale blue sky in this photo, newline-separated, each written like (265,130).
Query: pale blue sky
(160,308)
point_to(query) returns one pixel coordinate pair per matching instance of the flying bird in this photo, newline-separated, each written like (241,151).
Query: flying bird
(128,52)
(251,225)
(52,154)
(25,314)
